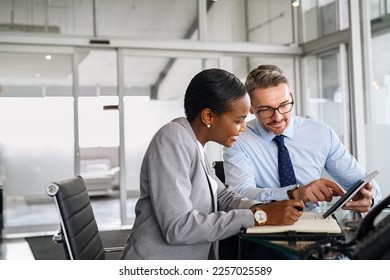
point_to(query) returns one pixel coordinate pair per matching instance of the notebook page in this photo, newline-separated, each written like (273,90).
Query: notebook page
(308,222)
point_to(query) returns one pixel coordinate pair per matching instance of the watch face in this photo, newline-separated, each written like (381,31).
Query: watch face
(260,216)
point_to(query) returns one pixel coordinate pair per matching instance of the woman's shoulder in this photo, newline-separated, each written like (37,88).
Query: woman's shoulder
(173,137)
(178,130)
(176,126)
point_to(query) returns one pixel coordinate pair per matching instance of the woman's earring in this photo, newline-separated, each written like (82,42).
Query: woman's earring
(208,126)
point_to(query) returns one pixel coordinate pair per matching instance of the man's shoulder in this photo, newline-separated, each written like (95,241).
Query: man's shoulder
(305,127)
(307,121)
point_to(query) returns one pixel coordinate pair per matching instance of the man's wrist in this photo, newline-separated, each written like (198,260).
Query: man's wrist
(290,192)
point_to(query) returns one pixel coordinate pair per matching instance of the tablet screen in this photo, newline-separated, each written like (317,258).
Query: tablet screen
(350,193)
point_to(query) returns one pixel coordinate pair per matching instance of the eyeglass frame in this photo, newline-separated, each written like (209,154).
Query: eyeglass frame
(269,107)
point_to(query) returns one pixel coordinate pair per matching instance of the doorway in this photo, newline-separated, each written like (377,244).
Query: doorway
(97,139)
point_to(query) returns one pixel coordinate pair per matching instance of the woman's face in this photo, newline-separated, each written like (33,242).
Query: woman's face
(227,126)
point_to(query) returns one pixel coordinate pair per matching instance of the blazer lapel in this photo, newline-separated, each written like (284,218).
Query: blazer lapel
(213,192)
(206,167)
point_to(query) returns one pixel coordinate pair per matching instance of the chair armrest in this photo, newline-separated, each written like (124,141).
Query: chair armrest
(57,236)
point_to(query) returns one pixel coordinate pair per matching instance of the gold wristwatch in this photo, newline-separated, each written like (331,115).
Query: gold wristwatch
(260,217)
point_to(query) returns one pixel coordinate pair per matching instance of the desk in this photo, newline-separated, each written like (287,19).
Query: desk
(297,247)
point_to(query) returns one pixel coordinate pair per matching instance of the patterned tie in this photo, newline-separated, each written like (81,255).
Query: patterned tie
(286,170)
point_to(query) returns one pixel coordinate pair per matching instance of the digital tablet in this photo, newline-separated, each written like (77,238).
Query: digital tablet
(350,193)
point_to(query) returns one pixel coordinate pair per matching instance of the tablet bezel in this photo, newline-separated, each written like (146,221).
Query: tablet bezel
(350,193)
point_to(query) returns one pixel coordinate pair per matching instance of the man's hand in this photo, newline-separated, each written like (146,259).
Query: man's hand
(319,190)
(362,201)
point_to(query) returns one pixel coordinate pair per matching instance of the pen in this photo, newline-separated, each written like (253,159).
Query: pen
(299,208)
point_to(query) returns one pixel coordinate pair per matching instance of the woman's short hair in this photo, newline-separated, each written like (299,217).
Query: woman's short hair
(265,76)
(213,88)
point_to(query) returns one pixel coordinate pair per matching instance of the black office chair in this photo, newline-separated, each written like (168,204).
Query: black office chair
(229,248)
(79,232)
(219,171)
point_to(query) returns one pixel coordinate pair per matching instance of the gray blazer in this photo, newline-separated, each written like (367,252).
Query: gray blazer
(177,215)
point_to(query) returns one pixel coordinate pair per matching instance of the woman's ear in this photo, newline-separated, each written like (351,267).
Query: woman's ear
(206,116)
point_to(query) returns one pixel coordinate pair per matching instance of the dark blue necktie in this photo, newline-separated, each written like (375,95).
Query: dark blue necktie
(286,170)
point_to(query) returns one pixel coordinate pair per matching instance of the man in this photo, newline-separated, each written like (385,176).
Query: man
(251,164)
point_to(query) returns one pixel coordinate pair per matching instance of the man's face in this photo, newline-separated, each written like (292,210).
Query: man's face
(264,101)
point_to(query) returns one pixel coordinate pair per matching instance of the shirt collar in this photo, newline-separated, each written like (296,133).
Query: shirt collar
(289,132)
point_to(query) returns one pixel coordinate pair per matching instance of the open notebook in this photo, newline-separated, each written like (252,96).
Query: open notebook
(309,222)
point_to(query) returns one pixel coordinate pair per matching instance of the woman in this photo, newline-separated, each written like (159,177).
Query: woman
(184,208)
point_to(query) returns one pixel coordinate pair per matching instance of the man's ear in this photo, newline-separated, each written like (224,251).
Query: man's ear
(207,116)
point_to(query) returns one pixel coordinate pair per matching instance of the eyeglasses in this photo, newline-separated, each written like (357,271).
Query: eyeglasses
(268,112)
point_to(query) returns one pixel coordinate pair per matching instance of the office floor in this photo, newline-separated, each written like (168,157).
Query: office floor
(37,218)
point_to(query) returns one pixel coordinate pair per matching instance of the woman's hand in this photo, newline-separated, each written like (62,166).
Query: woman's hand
(285,212)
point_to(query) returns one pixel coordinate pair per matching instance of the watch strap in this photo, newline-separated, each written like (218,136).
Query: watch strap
(290,192)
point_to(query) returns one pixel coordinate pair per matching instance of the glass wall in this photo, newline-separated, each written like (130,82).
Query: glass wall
(36,134)
(98,131)
(323,91)
(252,20)
(268,20)
(323,17)
(377,88)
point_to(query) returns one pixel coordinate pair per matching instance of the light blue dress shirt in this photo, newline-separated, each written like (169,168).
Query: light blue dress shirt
(251,164)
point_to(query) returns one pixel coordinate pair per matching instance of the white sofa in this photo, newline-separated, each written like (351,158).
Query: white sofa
(99,176)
